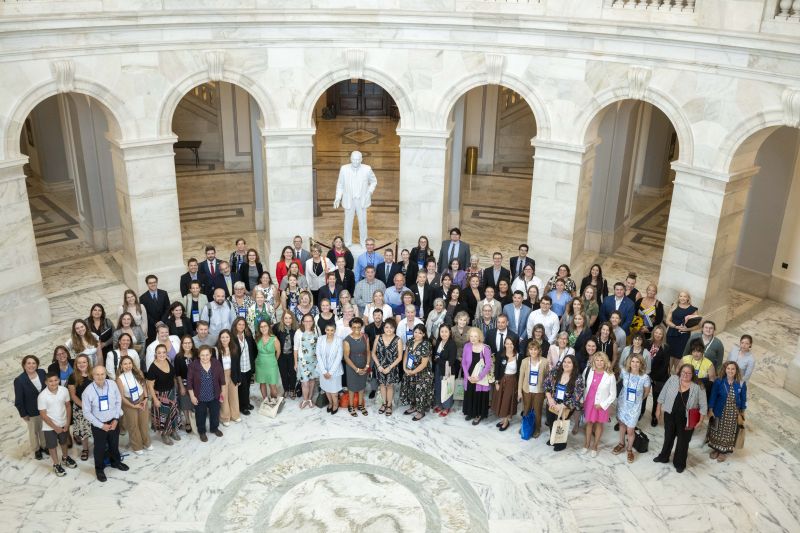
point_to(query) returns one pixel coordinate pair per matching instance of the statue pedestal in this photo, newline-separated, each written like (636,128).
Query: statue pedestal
(356,250)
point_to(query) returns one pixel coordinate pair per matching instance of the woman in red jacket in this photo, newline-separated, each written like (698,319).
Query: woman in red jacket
(282,267)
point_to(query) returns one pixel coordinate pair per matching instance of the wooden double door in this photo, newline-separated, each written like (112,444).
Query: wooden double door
(360,98)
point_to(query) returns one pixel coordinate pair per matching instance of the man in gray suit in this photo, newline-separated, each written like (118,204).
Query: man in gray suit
(299,252)
(455,248)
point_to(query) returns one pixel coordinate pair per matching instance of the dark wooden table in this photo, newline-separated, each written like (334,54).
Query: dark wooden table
(193,146)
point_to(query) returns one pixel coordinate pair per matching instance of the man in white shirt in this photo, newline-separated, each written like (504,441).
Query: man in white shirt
(545,317)
(55,409)
(219,315)
(405,328)
(488,299)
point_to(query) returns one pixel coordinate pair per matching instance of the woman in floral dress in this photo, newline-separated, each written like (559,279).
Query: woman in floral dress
(387,356)
(305,358)
(418,386)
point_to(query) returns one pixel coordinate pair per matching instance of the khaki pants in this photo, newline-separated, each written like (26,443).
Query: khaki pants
(230,400)
(35,433)
(137,423)
(536,401)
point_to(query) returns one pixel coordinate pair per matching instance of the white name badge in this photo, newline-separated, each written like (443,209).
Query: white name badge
(103,403)
(533,379)
(410,363)
(195,316)
(631,395)
(243,312)
(134,393)
(561,392)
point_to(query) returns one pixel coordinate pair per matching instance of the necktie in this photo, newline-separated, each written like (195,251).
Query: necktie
(211,266)
(502,339)
(153,296)
(297,254)
(452,250)
(519,266)
(386,275)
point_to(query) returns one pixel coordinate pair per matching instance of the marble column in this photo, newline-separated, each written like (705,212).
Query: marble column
(422,186)
(560,191)
(23,304)
(703,233)
(147,197)
(289,188)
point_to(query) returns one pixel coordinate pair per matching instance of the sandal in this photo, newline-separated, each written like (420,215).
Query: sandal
(722,457)
(382,409)
(388,410)
(618,449)
(630,456)
(714,454)
(352,411)
(418,417)
(363,410)
(84,455)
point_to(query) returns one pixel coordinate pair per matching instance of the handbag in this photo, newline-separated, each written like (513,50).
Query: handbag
(641,441)
(528,425)
(448,384)
(740,432)
(270,408)
(692,321)
(476,372)
(693,419)
(322,400)
(560,430)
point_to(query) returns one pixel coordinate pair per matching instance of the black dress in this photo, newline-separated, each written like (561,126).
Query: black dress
(476,403)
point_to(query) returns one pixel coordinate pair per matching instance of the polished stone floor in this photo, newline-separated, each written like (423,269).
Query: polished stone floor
(308,471)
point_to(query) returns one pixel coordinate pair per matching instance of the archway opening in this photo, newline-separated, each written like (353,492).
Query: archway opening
(356,115)
(72,191)
(630,192)
(219,167)
(767,259)
(490,168)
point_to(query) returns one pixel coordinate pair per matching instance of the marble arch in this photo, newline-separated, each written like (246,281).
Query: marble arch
(458,89)
(394,88)
(121,125)
(739,149)
(587,122)
(175,93)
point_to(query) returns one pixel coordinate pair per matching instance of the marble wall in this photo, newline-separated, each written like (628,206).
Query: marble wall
(138,70)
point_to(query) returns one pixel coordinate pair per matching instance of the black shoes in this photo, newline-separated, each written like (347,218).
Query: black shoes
(38,454)
(372,395)
(245,412)
(121,466)
(217,432)
(659,459)
(101,476)
(203,437)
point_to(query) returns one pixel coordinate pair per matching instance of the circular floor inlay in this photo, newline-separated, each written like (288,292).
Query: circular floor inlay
(348,485)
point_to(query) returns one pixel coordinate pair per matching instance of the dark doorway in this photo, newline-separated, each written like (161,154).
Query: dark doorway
(361,98)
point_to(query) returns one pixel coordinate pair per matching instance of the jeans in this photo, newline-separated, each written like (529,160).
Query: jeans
(211,409)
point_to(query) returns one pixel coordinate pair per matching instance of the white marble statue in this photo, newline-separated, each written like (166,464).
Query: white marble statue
(354,191)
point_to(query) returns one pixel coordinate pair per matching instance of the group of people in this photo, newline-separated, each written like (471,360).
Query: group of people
(330,327)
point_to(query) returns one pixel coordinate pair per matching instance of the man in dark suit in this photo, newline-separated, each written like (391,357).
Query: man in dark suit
(496,272)
(618,302)
(225,279)
(194,274)
(210,267)
(388,269)
(299,252)
(455,248)
(424,294)
(497,337)
(156,303)
(519,262)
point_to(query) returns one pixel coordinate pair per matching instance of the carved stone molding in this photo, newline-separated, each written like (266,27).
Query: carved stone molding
(355,59)
(494,68)
(64,74)
(215,63)
(639,80)
(791,107)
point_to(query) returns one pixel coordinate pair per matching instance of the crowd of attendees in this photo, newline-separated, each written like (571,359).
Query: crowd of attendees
(431,335)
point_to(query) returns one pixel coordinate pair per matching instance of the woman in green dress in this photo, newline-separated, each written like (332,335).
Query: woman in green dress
(267,361)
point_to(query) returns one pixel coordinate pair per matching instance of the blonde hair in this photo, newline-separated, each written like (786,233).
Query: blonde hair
(642,367)
(607,369)
(477,331)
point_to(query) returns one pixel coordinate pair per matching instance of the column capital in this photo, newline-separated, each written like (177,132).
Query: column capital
(561,152)
(430,139)
(288,137)
(710,180)
(11,169)
(536,142)
(140,149)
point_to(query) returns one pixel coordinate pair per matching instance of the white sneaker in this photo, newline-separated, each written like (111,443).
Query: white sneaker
(138,452)
(238,420)
(226,424)
(585,451)
(149,448)
(594,454)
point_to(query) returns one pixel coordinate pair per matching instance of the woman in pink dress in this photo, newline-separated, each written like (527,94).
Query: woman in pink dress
(601,390)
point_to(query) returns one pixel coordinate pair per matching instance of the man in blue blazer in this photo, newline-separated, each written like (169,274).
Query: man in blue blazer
(517,315)
(618,302)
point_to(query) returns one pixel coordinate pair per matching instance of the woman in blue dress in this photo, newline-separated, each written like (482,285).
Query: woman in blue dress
(635,388)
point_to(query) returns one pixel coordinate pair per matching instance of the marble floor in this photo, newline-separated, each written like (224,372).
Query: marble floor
(308,471)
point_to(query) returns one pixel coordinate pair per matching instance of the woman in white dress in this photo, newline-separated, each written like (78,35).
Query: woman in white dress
(329,366)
